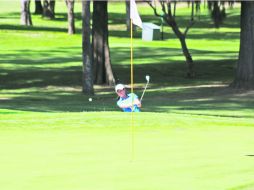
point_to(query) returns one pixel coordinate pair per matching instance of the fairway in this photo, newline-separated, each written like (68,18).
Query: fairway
(192,134)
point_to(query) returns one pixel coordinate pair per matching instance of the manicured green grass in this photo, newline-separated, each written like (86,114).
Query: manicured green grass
(93,151)
(192,134)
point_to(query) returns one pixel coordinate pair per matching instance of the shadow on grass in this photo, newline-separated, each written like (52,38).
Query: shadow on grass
(29,85)
(193,100)
(34,28)
(214,100)
(116,19)
(34,69)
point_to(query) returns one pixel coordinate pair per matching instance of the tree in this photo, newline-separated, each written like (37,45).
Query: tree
(127,7)
(170,19)
(218,12)
(25,13)
(38,7)
(49,9)
(71,17)
(102,69)
(245,67)
(244,77)
(86,48)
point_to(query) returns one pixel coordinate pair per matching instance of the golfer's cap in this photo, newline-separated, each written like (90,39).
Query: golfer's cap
(119,87)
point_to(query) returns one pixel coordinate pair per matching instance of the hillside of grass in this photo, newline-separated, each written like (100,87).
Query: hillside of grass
(41,66)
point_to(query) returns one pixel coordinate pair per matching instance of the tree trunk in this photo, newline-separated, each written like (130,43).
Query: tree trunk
(128,20)
(245,68)
(25,13)
(103,73)
(49,9)
(86,48)
(188,58)
(170,20)
(185,50)
(38,7)
(71,17)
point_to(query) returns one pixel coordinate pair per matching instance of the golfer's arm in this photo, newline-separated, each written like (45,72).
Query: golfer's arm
(127,105)
(137,102)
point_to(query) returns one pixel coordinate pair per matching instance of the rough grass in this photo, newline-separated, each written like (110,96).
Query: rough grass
(192,134)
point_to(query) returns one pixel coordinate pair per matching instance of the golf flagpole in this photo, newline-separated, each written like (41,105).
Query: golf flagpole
(132,122)
(134,19)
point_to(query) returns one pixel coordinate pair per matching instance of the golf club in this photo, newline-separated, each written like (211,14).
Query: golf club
(147,82)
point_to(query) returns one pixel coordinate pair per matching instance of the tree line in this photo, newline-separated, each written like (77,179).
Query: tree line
(97,67)
(96,54)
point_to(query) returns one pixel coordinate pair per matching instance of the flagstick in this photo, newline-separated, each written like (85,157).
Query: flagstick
(132,125)
(134,19)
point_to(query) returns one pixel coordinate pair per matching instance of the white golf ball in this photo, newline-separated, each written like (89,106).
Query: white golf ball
(90,99)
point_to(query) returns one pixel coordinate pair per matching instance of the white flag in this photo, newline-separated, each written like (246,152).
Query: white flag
(134,14)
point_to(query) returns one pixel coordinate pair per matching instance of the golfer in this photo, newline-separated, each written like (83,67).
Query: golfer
(127,102)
